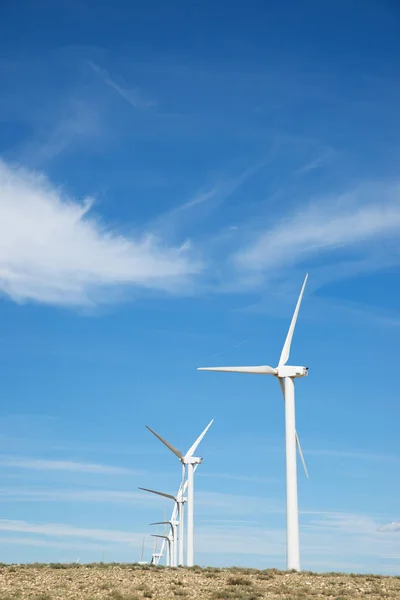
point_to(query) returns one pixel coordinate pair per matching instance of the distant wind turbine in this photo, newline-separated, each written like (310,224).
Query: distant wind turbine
(179,501)
(286,376)
(189,461)
(167,538)
(173,543)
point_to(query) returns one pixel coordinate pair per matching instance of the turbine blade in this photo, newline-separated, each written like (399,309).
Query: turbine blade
(161,523)
(301,455)
(177,452)
(156,535)
(297,437)
(192,449)
(262,370)
(286,348)
(158,493)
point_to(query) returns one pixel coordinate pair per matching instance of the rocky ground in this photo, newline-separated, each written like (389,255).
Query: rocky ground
(134,582)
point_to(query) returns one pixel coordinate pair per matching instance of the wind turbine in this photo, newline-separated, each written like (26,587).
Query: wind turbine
(167,538)
(155,557)
(179,504)
(174,546)
(286,376)
(189,461)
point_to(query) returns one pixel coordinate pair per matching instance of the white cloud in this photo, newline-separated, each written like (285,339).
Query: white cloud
(349,221)
(59,465)
(393,527)
(54,251)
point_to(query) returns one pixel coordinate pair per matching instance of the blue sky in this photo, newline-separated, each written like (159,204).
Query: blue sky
(168,174)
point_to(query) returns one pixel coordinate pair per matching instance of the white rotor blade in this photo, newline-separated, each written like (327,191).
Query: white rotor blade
(177,452)
(286,348)
(159,493)
(161,523)
(297,437)
(192,449)
(156,535)
(262,370)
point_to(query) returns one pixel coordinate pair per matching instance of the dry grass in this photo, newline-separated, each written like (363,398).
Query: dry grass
(134,582)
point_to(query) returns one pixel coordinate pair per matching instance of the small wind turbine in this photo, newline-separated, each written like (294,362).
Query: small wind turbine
(190,461)
(286,376)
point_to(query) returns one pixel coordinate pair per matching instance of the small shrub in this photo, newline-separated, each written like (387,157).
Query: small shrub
(239,581)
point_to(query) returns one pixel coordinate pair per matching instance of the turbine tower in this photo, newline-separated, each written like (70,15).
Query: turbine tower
(190,462)
(286,376)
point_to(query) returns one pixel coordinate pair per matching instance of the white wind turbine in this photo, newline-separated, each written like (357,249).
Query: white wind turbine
(155,557)
(286,376)
(173,537)
(168,539)
(179,502)
(191,462)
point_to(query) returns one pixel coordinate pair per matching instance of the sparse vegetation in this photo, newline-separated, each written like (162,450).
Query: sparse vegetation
(135,582)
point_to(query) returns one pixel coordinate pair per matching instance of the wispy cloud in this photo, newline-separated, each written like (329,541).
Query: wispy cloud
(238,477)
(77,122)
(59,465)
(207,201)
(225,188)
(55,251)
(234,504)
(40,543)
(370,213)
(62,530)
(324,156)
(133,96)
(357,455)
(98,496)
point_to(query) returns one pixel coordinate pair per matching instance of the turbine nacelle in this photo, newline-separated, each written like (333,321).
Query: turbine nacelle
(191,460)
(294,372)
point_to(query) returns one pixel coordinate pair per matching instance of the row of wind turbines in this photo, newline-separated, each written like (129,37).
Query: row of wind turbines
(174,540)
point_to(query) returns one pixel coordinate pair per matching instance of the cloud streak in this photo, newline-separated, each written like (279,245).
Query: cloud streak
(98,496)
(59,465)
(55,251)
(62,530)
(133,96)
(357,455)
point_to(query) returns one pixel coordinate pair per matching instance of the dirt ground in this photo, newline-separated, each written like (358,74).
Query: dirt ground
(134,582)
